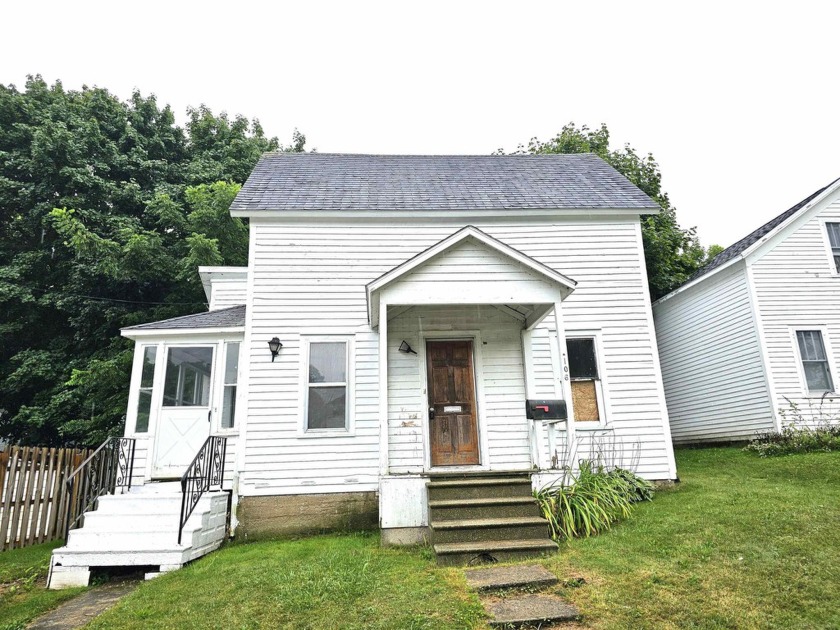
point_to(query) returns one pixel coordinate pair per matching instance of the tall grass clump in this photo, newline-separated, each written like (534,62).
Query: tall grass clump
(590,501)
(818,430)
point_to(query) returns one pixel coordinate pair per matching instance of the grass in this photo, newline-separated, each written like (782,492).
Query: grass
(741,542)
(320,582)
(23,595)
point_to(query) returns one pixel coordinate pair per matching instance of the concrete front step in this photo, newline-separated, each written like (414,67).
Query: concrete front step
(479,487)
(460,509)
(484,552)
(512,576)
(487,529)
(530,611)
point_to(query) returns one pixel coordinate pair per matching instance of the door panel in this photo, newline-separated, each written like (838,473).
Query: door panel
(453,429)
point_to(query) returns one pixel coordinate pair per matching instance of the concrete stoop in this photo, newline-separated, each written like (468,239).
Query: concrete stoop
(139,529)
(510,595)
(486,518)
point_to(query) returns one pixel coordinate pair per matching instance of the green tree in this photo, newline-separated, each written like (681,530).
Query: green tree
(672,253)
(106,209)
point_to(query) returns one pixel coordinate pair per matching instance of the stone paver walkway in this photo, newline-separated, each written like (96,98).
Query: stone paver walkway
(522,606)
(80,610)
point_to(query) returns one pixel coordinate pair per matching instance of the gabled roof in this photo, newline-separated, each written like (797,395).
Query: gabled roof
(467,233)
(752,240)
(347,182)
(223,318)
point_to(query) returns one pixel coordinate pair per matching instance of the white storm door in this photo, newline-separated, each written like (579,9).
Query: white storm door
(185,415)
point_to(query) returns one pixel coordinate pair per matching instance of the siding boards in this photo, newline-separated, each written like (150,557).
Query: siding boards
(309,278)
(796,288)
(227,293)
(711,361)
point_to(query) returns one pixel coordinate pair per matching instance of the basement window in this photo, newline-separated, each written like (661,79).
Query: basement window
(326,401)
(814,360)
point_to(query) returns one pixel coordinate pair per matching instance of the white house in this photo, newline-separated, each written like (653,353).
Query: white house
(373,363)
(755,334)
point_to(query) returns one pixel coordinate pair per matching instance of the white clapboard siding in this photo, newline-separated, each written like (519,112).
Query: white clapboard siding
(709,350)
(796,288)
(309,278)
(227,292)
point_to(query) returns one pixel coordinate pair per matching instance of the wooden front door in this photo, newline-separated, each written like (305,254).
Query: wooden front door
(453,422)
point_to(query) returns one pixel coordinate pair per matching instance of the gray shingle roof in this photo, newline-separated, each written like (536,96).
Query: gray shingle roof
(222,318)
(753,237)
(323,181)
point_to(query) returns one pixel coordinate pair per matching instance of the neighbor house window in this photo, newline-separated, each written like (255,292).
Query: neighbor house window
(814,361)
(187,381)
(834,241)
(326,396)
(144,398)
(583,372)
(229,394)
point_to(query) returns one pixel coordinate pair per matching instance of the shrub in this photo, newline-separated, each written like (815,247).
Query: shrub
(817,431)
(592,501)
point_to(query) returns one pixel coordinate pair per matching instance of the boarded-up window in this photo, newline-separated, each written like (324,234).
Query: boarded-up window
(583,370)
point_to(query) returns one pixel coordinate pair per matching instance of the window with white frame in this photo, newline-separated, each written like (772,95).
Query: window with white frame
(144,396)
(833,230)
(814,361)
(327,386)
(585,379)
(229,385)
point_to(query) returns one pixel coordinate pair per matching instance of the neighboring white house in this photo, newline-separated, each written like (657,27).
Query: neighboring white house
(752,341)
(418,302)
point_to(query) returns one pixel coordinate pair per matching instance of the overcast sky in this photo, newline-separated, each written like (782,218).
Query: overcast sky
(737,101)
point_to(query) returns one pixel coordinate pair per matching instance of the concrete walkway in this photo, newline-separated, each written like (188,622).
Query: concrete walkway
(511,596)
(82,609)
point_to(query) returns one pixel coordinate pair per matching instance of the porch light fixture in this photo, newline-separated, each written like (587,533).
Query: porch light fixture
(404,347)
(274,345)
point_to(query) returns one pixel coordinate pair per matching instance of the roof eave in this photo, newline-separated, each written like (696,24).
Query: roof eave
(135,333)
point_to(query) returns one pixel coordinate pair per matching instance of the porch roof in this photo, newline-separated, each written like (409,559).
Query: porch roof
(555,286)
(222,320)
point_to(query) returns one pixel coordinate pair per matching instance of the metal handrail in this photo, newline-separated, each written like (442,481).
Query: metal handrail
(109,467)
(206,470)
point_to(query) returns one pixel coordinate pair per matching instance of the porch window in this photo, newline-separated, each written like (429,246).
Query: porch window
(187,381)
(326,399)
(583,372)
(144,398)
(229,393)
(834,241)
(814,361)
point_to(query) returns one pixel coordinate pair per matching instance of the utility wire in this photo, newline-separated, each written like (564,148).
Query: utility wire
(106,299)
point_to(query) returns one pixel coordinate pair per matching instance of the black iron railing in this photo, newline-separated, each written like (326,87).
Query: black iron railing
(206,471)
(109,467)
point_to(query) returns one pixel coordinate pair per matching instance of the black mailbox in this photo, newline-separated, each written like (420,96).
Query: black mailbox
(545,409)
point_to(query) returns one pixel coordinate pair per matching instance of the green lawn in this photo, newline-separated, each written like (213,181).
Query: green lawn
(742,542)
(23,595)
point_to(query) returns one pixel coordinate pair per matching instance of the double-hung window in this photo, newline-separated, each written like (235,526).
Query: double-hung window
(327,386)
(814,361)
(144,396)
(585,379)
(833,230)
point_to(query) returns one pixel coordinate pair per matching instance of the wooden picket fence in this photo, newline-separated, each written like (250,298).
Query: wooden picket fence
(33,493)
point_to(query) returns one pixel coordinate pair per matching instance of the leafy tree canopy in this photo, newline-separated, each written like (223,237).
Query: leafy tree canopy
(107,207)
(672,253)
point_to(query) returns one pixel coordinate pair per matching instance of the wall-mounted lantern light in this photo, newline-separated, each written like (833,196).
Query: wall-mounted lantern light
(274,345)
(404,347)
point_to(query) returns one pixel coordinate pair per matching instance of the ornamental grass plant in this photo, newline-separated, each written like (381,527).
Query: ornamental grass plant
(590,501)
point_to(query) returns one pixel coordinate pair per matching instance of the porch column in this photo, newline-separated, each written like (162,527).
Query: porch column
(383,387)
(535,427)
(566,387)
